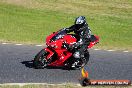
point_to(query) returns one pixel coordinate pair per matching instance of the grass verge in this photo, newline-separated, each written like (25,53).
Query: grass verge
(60,86)
(30,21)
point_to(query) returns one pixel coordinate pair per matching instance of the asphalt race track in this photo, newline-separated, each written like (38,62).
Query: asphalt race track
(16,66)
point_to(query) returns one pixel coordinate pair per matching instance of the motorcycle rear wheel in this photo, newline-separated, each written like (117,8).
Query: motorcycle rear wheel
(40,61)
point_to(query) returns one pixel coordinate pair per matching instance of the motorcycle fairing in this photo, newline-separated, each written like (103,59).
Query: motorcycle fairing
(62,53)
(94,40)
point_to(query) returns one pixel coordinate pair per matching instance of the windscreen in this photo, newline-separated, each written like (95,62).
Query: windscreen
(59,35)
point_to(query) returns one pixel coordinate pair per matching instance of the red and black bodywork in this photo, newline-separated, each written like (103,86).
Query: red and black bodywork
(54,54)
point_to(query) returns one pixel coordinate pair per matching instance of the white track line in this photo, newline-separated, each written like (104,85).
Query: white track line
(4,43)
(125,51)
(24,84)
(110,50)
(96,49)
(18,44)
(45,84)
(38,45)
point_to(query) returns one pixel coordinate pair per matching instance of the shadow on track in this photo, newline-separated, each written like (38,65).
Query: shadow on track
(29,64)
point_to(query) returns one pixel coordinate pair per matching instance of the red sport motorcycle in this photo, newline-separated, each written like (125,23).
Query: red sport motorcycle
(56,55)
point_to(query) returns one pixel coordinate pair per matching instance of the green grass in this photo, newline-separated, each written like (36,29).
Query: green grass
(30,21)
(60,86)
(26,25)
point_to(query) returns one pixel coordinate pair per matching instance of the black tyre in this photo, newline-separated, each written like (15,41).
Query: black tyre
(40,61)
(86,59)
(85,82)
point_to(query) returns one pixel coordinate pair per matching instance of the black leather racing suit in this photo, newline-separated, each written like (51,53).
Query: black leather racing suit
(83,40)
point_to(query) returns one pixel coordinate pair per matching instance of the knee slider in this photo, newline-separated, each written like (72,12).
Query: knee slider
(76,55)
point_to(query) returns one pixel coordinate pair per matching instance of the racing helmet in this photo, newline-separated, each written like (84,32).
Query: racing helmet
(80,22)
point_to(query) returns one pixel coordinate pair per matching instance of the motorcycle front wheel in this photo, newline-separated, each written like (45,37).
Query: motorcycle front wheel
(40,61)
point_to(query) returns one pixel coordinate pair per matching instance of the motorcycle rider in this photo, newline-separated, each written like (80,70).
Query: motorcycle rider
(82,30)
